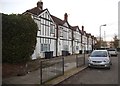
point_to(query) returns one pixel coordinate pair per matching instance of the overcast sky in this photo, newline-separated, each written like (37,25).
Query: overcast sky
(89,13)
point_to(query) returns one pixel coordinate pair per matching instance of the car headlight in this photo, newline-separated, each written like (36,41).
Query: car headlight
(106,60)
(89,60)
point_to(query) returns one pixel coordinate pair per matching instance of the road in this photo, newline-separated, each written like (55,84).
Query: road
(96,76)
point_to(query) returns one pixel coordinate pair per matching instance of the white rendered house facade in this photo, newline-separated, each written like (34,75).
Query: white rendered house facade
(64,38)
(46,34)
(84,40)
(76,40)
(56,35)
(89,42)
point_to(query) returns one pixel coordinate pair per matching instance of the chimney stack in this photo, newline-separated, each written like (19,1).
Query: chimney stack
(82,28)
(40,5)
(65,17)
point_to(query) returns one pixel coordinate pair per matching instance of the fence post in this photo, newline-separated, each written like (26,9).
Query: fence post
(84,57)
(76,60)
(41,72)
(63,64)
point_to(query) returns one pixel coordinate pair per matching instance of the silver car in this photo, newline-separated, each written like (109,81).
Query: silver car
(99,58)
(112,52)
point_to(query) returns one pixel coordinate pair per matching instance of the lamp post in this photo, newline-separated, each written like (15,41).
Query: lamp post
(100,33)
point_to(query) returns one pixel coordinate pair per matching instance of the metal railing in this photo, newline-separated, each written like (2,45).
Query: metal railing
(50,69)
(54,67)
(80,60)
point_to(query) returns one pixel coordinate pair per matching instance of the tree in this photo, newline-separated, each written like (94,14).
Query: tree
(18,38)
(104,44)
(100,43)
(97,45)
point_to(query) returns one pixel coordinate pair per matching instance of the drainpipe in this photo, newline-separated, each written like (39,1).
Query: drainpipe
(72,40)
(92,43)
(87,42)
(81,42)
(56,40)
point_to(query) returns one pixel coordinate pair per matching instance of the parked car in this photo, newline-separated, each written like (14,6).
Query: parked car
(113,52)
(100,59)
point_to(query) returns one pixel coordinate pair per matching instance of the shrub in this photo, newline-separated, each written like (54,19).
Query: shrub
(18,38)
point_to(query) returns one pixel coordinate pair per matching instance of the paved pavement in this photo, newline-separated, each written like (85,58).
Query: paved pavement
(66,75)
(34,77)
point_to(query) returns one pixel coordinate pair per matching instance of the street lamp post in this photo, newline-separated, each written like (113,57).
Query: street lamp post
(100,33)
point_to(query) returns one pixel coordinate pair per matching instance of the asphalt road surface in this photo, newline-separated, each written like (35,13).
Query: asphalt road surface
(96,76)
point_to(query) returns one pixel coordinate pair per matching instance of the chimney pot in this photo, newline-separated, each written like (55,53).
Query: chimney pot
(66,17)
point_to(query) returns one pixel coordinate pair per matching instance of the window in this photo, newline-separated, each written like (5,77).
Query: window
(47,23)
(52,29)
(69,34)
(65,47)
(42,21)
(45,47)
(47,30)
(60,33)
(42,29)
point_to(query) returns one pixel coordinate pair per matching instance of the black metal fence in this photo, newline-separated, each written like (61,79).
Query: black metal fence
(69,62)
(80,60)
(52,68)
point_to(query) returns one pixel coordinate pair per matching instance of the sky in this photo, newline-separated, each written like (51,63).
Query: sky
(89,13)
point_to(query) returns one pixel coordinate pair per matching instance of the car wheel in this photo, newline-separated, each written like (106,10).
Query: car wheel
(108,68)
(110,63)
(89,67)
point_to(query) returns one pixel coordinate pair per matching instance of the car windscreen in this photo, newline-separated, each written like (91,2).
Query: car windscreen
(98,54)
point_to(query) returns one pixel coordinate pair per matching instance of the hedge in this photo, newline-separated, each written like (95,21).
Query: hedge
(18,38)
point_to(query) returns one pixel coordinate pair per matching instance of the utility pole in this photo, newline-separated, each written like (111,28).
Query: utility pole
(100,33)
(104,39)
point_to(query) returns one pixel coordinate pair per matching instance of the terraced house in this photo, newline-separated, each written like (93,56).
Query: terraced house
(84,40)
(89,42)
(56,37)
(64,36)
(76,39)
(46,35)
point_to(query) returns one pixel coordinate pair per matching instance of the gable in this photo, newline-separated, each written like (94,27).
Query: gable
(46,15)
(66,24)
(77,29)
(37,13)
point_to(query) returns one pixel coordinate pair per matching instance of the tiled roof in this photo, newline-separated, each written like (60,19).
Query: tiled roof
(57,20)
(85,32)
(74,27)
(35,11)
(81,32)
